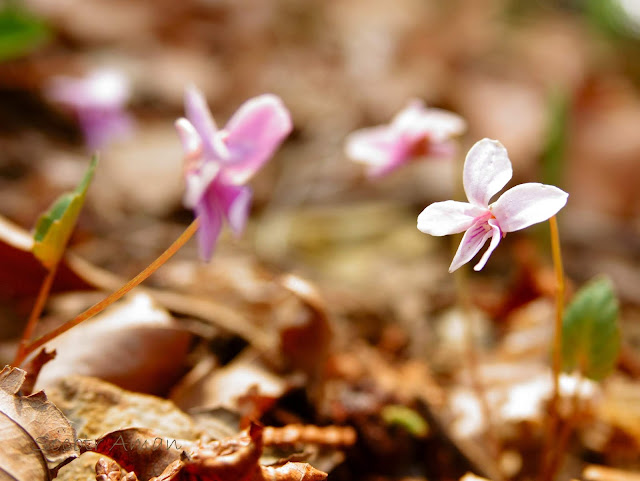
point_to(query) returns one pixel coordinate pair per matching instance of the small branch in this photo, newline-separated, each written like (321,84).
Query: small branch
(41,300)
(550,437)
(100,306)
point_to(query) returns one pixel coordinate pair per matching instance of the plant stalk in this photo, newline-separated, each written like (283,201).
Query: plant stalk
(547,452)
(100,306)
(36,311)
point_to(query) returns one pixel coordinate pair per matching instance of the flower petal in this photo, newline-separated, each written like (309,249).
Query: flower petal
(191,141)
(448,217)
(198,113)
(100,89)
(235,202)
(381,148)
(527,204)
(496,236)
(208,211)
(253,134)
(197,182)
(442,124)
(472,242)
(487,169)
(104,127)
(407,118)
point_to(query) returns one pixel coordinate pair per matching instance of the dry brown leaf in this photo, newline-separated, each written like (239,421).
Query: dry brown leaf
(236,458)
(134,344)
(290,472)
(98,407)
(306,336)
(36,438)
(229,386)
(21,273)
(139,450)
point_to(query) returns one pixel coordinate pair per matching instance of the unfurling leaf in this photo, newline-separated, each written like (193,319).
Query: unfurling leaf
(591,336)
(55,226)
(35,436)
(20,32)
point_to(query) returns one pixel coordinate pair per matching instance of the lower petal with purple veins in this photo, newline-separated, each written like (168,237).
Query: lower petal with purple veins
(235,202)
(496,235)
(208,211)
(471,243)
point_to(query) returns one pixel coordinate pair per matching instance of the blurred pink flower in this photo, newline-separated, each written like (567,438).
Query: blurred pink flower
(487,169)
(219,162)
(99,101)
(414,132)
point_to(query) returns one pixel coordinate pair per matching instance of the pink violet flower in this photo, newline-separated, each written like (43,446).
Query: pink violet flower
(416,131)
(219,162)
(487,169)
(99,101)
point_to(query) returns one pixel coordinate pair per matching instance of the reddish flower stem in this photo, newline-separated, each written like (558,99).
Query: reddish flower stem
(100,306)
(38,306)
(548,468)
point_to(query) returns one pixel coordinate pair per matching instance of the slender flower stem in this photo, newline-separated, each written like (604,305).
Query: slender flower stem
(100,306)
(557,267)
(547,468)
(43,294)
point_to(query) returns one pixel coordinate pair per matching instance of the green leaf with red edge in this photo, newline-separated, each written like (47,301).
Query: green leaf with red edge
(54,228)
(590,331)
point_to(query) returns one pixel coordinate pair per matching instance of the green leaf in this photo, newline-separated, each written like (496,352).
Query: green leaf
(20,32)
(406,418)
(590,331)
(54,227)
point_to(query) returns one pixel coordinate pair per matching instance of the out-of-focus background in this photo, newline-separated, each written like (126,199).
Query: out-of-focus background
(557,82)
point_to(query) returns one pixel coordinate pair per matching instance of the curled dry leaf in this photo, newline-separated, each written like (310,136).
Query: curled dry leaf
(36,438)
(245,384)
(236,458)
(139,450)
(306,337)
(290,472)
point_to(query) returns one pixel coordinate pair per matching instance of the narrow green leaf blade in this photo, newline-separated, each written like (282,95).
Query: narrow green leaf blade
(54,227)
(591,335)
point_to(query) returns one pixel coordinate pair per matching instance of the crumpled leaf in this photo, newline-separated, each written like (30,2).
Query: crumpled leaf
(140,450)
(54,228)
(591,336)
(235,458)
(36,437)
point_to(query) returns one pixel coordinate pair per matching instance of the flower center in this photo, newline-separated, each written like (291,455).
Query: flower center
(421,147)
